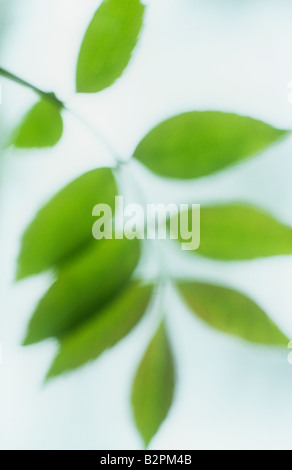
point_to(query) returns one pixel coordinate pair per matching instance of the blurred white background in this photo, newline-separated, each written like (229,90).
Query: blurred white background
(193,55)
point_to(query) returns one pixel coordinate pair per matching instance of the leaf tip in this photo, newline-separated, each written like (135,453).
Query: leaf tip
(27,340)
(30,338)
(20,274)
(49,377)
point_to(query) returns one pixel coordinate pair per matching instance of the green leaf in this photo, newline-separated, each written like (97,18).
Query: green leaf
(41,127)
(64,225)
(238,232)
(153,388)
(198,144)
(231,312)
(106,328)
(108,44)
(83,287)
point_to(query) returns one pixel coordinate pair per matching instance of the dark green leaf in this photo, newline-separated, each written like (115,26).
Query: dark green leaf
(238,232)
(42,127)
(64,225)
(231,312)
(108,44)
(84,286)
(198,144)
(106,328)
(153,387)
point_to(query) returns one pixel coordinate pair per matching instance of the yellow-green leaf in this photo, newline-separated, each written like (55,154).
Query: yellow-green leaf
(106,328)
(239,232)
(153,388)
(84,286)
(231,312)
(41,127)
(64,225)
(108,44)
(198,144)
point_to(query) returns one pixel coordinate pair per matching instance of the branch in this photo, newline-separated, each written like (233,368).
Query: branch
(43,94)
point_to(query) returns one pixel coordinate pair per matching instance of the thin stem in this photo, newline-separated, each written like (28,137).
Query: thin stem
(114,153)
(43,94)
(161,292)
(120,162)
(53,98)
(162,275)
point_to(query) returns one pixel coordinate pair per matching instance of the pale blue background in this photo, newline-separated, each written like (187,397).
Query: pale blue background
(230,55)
